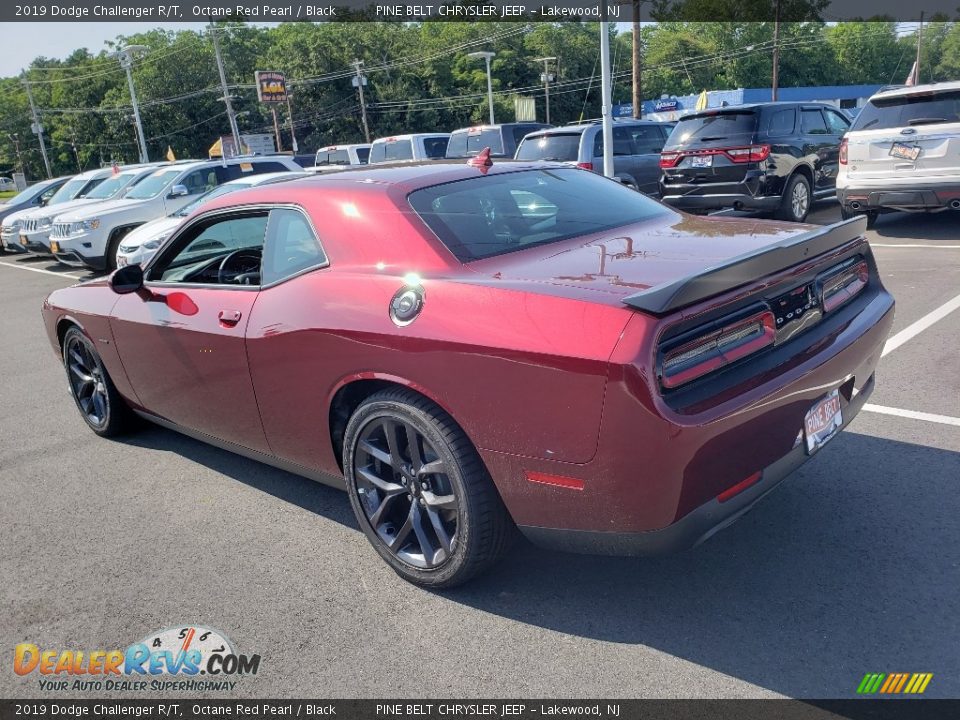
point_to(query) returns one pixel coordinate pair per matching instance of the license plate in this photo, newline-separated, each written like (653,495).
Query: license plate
(54,246)
(23,240)
(121,261)
(699,161)
(904,151)
(822,422)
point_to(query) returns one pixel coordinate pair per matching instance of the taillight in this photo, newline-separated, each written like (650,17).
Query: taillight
(843,151)
(585,166)
(754,153)
(669,159)
(841,287)
(717,349)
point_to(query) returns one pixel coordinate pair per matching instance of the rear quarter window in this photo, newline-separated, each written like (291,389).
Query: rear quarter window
(782,122)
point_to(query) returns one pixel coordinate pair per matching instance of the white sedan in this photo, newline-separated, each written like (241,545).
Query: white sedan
(140,244)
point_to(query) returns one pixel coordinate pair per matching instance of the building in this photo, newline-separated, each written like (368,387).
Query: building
(846,97)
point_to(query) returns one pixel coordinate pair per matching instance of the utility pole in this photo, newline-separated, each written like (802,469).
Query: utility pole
(487,56)
(126,55)
(919,46)
(360,81)
(776,52)
(276,128)
(637,63)
(37,127)
(606,91)
(15,138)
(226,93)
(293,138)
(546,77)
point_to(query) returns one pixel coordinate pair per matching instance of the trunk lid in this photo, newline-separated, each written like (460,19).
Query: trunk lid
(698,141)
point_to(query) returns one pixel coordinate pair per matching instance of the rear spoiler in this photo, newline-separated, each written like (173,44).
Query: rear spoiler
(738,271)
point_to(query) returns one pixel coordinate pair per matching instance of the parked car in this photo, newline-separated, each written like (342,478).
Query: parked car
(502,140)
(7,184)
(36,195)
(142,242)
(903,153)
(91,236)
(611,377)
(775,157)
(418,146)
(336,157)
(636,149)
(36,225)
(75,187)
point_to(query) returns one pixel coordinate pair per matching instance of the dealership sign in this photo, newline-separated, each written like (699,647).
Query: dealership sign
(666,105)
(271,86)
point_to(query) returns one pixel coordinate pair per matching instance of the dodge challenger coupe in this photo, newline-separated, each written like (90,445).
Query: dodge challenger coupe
(472,349)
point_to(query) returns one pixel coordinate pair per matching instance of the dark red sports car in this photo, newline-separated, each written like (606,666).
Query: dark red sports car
(471,349)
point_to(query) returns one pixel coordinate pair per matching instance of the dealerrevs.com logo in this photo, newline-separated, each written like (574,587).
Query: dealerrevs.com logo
(190,658)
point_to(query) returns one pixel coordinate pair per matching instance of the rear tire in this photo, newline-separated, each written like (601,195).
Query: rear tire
(420,492)
(871,215)
(795,201)
(96,397)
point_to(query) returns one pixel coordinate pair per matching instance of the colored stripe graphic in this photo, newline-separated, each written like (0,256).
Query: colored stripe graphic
(894,683)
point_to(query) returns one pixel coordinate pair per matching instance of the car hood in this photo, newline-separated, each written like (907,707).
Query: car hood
(59,209)
(98,209)
(151,230)
(632,258)
(19,215)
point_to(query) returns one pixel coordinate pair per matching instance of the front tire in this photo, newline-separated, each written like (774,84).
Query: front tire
(795,201)
(420,491)
(96,397)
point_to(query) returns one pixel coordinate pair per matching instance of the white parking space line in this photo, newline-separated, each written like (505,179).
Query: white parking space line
(914,329)
(912,414)
(16,266)
(915,245)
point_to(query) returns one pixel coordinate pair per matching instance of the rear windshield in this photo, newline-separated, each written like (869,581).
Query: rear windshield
(391,150)
(719,127)
(563,147)
(465,143)
(905,110)
(497,214)
(332,157)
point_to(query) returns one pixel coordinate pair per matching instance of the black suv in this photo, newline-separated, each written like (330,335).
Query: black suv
(501,139)
(777,157)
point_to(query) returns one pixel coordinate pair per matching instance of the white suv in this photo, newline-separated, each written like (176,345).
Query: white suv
(90,236)
(903,153)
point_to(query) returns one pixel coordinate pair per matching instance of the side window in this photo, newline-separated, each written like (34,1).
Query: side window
(363,155)
(598,144)
(836,122)
(622,144)
(811,122)
(269,166)
(45,196)
(291,246)
(646,139)
(201,181)
(435,147)
(782,122)
(198,255)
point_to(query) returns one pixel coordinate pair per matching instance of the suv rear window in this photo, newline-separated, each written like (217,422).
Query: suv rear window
(881,113)
(563,147)
(465,143)
(719,127)
(497,214)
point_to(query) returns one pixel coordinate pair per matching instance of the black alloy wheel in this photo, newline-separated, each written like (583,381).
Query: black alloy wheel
(420,492)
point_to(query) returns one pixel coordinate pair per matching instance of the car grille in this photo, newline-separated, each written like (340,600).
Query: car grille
(60,230)
(28,226)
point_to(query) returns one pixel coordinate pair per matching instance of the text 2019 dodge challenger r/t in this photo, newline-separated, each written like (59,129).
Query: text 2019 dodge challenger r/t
(472,349)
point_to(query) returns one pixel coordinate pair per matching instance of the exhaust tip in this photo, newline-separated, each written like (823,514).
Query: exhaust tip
(855,205)
(955,204)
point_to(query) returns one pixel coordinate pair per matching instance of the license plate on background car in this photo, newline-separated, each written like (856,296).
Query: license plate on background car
(23,240)
(121,261)
(54,246)
(904,151)
(701,161)
(822,421)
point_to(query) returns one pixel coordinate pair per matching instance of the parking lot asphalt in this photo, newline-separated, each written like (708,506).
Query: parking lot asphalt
(852,566)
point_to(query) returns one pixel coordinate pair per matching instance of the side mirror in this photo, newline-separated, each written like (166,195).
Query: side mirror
(127,279)
(179,191)
(43,201)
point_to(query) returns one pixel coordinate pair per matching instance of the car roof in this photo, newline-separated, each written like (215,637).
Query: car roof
(347,146)
(266,178)
(409,136)
(918,89)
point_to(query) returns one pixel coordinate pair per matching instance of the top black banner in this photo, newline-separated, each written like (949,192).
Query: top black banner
(524,11)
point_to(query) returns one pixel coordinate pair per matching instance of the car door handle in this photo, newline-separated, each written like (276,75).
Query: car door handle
(229,318)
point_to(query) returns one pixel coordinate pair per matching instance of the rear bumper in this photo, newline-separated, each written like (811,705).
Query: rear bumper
(717,202)
(699,524)
(914,197)
(757,191)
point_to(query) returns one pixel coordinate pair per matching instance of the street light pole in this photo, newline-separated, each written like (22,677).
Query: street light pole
(546,83)
(226,93)
(606,91)
(126,55)
(487,55)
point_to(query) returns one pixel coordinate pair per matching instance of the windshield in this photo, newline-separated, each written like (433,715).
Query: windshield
(391,150)
(564,147)
(109,188)
(882,113)
(464,143)
(28,194)
(215,193)
(153,185)
(68,191)
(487,216)
(725,127)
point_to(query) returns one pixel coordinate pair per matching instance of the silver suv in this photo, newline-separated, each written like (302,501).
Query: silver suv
(903,152)
(636,149)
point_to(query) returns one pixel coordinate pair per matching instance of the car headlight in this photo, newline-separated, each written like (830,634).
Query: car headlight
(11,228)
(84,225)
(45,222)
(155,243)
